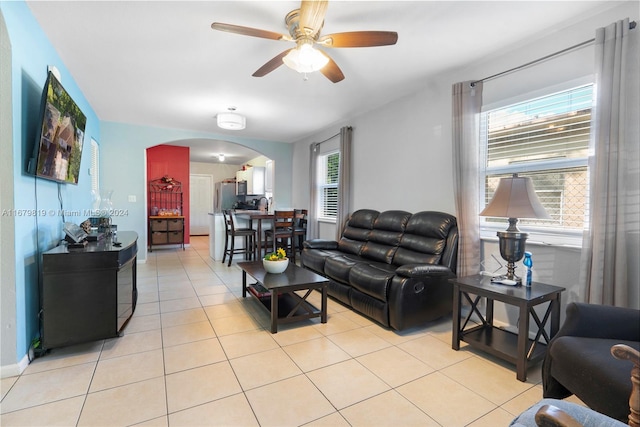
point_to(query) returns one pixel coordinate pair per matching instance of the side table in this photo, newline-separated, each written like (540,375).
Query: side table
(516,348)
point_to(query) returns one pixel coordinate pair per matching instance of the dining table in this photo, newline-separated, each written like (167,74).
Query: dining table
(258,216)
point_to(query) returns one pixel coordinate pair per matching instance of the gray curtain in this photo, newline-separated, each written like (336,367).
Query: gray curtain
(610,267)
(344,182)
(467,102)
(312,215)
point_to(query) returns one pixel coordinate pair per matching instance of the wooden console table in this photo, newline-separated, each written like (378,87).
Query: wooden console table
(516,348)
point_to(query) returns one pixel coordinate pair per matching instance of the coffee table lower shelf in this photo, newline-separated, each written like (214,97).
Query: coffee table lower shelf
(290,305)
(501,343)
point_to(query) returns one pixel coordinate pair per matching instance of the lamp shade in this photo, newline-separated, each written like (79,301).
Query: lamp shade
(515,197)
(231,121)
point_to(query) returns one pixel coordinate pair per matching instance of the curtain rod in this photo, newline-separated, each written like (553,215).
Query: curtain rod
(632,25)
(331,137)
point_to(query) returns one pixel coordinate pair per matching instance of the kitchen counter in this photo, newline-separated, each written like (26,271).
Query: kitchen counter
(243,218)
(216,223)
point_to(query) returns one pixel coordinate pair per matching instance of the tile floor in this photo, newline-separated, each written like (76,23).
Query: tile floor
(196,353)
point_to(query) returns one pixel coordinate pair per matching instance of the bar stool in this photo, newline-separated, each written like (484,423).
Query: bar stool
(300,227)
(231,233)
(282,232)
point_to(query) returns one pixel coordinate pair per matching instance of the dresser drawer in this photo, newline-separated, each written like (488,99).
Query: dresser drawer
(158,225)
(159,238)
(175,236)
(175,224)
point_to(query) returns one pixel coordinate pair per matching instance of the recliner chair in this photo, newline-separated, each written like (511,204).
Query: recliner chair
(579,362)
(560,413)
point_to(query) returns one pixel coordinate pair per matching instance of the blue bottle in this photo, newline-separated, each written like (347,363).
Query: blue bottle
(528,262)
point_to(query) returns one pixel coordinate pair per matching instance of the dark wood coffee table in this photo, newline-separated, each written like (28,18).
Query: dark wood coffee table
(277,292)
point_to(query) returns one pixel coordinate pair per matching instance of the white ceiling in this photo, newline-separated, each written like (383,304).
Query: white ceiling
(159,63)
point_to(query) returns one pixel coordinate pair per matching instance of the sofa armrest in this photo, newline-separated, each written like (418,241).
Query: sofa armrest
(601,321)
(320,244)
(422,270)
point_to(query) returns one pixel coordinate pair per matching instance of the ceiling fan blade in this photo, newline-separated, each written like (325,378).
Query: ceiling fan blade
(271,65)
(248,31)
(331,70)
(312,16)
(359,39)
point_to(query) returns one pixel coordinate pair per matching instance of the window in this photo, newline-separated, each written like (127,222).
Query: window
(546,139)
(328,175)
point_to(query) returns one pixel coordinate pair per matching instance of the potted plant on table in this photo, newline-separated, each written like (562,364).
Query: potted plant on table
(275,262)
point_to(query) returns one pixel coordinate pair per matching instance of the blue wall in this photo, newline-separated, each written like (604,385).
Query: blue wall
(31,54)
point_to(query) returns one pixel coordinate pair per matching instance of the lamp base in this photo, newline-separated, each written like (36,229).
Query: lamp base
(511,272)
(512,245)
(514,278)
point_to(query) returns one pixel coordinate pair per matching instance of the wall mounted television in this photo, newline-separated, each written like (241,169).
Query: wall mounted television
(58,148)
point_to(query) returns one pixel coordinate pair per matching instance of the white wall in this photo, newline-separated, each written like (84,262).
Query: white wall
(399,157)
(402,152)
(258,161)
(218,171)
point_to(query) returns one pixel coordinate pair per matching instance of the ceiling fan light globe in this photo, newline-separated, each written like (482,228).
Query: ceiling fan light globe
(305,59)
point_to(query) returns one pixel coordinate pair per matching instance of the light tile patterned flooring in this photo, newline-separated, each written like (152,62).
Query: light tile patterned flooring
(197,354)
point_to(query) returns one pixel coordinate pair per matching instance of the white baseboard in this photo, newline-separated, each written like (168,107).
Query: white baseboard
(15,369)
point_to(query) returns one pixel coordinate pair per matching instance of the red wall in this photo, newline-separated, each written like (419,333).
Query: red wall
(173,161)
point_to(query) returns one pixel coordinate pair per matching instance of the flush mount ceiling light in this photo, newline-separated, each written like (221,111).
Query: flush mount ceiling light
(231,120)
(221,157)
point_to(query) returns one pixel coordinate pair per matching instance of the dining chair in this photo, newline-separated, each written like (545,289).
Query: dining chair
(300,227)
(231,233)
(282,233)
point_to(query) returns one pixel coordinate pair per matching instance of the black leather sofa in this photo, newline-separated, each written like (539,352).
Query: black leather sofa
(579,361)
(391,266)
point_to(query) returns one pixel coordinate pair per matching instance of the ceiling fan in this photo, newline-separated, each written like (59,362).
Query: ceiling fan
(304,27)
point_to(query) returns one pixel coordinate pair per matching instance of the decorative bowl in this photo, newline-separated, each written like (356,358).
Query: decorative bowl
(275,267)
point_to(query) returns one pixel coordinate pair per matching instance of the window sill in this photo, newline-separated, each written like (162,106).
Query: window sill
(564,242)
(327,220)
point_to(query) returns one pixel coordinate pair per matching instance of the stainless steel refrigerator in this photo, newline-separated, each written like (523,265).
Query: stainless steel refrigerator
(224,196)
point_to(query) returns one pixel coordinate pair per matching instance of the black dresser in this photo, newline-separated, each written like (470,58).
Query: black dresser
(88,293)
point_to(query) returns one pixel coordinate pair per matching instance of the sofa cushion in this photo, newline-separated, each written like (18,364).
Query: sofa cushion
(593,370)
(385,236)
(378,252)
(356,231)
(371,307)
(424,239)
(338,267)
(315,259)
(340,291)
(372,279)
